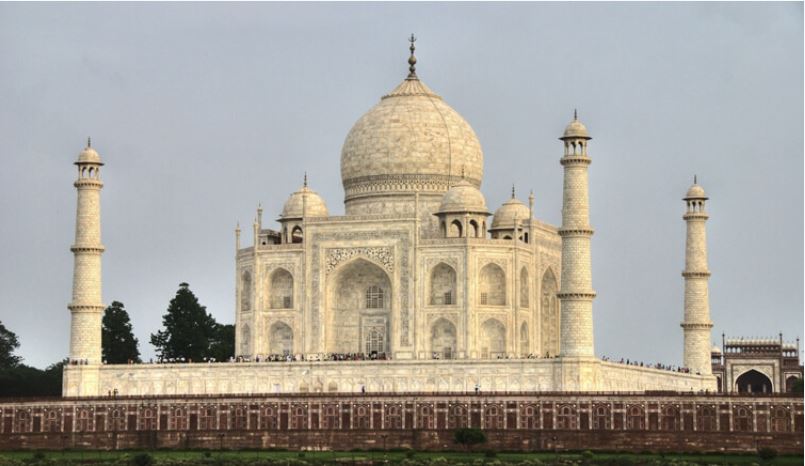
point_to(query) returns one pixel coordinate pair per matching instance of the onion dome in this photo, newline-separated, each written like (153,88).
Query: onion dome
(695,191)
(507,213)
(411,141)
(305,200)
(463,197)
(575,129)
(89,155)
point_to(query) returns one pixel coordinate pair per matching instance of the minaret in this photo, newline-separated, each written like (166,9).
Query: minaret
(697,324)
(87,307)
(576,294)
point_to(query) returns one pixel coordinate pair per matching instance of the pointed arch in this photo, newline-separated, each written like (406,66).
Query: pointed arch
(245,340)
(246,291)
(456,229)
(443,339)
(281,288)
(280,339)
(492,285)
(473,229)
(753,381)
(549,315)
(525,286)
(493,339)
(524,343)
(297,235)
(358,312)
(443,285)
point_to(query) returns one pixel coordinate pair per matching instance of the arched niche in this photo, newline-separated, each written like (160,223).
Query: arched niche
(245,340)
(443,285)
(246,291)
(280,339)
(492,286)
(493,339)
(280,290)
(455,230)
(297,235)
(549,315)
(524,339)
(443,339)
(753,381)
(525,284)
(473,230)
(359,303)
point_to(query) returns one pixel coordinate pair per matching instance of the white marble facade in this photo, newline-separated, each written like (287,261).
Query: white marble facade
(416,269)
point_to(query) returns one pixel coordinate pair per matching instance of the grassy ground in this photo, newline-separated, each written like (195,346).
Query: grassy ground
(172,457)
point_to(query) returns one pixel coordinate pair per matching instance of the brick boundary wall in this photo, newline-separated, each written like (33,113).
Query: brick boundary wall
(421,421)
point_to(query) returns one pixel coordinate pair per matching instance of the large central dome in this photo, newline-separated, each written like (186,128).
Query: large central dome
(411,141)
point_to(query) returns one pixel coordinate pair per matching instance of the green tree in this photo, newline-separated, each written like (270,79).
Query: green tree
(117,340)
(23,380)
(223,346)
(188,331)
(797,388)
(8,343)
(469,436)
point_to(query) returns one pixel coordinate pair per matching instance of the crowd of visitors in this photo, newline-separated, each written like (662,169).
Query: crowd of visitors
(375,356)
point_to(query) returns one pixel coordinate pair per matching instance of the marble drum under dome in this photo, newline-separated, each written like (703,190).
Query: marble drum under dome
(411,141)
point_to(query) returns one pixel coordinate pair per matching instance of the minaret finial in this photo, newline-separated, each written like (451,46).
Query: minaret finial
(575,114)
(694,179)
(412,59)
(89,141)
(305,181)
(512,190)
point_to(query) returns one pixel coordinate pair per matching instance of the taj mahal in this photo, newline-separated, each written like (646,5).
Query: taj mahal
(435,290)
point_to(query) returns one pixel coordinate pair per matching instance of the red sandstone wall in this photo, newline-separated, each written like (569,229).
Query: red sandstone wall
(419,421)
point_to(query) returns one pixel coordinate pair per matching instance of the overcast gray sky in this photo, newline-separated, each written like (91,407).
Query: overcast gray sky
(202,110)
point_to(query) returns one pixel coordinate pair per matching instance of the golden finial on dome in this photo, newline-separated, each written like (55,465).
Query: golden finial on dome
(412,59)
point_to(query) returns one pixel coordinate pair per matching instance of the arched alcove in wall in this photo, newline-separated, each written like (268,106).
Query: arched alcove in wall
(493,339)
(753,381)
(245,340)
(492,286)
(359,302)
(443,339)
(549,315)
(280,339)
(281,289)
(246,291)
(524,287)
(442,285)
(524,339)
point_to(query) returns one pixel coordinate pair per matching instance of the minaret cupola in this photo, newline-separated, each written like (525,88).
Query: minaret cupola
(575,137)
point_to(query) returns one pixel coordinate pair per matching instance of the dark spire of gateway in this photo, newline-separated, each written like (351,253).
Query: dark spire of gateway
(412,59)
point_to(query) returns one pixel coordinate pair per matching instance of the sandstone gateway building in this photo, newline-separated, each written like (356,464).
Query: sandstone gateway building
(434,291)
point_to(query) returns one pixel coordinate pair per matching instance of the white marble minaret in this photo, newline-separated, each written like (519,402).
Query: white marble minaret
(576,293)
(697,324)
(87,306)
